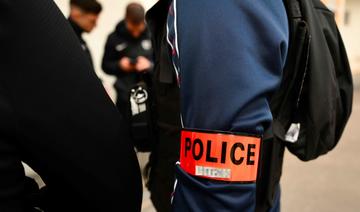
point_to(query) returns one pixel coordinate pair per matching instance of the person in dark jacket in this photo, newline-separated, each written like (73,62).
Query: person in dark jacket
(56,117)
(217,66)
(83,17)
(128,54)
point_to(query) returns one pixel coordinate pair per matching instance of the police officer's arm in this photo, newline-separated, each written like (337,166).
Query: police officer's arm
(229,63)
(233,59)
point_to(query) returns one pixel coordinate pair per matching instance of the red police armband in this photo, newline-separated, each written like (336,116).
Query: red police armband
(220,156)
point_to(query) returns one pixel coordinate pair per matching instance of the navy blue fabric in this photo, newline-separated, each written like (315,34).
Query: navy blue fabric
(276,206)
(229,57)
(196,194)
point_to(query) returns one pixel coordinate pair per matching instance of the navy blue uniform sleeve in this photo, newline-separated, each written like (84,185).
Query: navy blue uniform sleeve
(229,62)
(229,58)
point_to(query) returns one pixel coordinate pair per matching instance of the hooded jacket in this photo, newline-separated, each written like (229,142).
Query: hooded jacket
(119,44)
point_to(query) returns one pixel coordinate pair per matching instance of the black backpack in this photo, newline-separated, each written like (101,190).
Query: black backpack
(315,96)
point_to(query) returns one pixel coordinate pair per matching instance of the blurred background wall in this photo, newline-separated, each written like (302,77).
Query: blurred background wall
(348,16)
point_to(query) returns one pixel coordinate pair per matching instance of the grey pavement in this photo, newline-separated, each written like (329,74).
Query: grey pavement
(330,183)
(147,206)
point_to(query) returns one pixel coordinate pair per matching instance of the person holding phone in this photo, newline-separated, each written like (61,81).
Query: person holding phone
(128,54)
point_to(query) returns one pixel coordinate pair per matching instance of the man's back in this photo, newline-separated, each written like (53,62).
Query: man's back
(56,117)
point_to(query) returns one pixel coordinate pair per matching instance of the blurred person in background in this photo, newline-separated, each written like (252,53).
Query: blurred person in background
(83,17)
(128,54)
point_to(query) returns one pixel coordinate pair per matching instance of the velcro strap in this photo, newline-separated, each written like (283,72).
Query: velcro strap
(220,156)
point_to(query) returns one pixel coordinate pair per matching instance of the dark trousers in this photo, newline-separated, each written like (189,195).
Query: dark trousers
(162,170)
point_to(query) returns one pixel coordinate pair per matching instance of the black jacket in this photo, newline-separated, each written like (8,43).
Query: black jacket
(120,43)
(79,31)
(56,116)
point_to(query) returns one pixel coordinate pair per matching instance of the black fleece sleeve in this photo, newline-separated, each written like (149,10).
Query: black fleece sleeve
(111,59)
(65,125)
(12,197)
